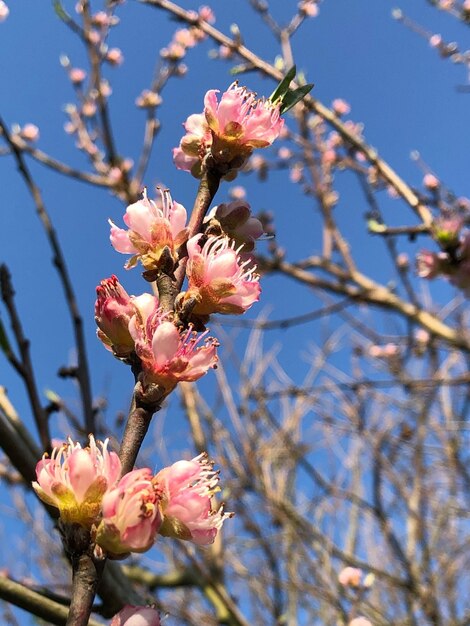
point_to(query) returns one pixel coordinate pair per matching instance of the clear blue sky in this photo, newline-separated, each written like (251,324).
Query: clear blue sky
(396,85)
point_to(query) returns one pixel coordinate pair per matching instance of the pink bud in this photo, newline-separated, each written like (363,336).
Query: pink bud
(350,576)
(341,107)
(4,11)
(75,479)
(431,182)
(206,14)
(435,41)
(113,311)
(360,621)
(136,616)
(237,193)
(77,75)
(309,8)
(148,99)
(430,264)
(403,261)
(115,56)
(187,489)
(30,132)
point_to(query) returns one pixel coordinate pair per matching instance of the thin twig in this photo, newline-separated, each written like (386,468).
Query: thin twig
(83,375)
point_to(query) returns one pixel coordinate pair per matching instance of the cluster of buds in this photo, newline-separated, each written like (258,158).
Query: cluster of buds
(228,131)
(126,514)
(185,38)
(453,261)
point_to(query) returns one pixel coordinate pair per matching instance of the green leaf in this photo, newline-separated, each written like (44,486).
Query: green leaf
(291,98)
(283,86)
(59,9)
(376,227)
(4,343)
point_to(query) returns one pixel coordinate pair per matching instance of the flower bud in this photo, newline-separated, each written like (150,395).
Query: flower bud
(136,616)
(350,577)
(113,311)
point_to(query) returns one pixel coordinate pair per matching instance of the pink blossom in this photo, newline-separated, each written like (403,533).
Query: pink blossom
(187,489)
(225,52)
(115,56)
(431,182)
(284,153)
(4,11)
(430,264)
(148,99)
(403,261)
(206,14)
(218,280)
(435,41)
(234,220)
(184,37)
(77,75)
(340,107)
(131,514)
(229,129)
(30,132)
(309,8)
(136,616)
(240,122)
(389,350)
(103,20)
(237,193)
(75,479)
(175,51)
(169,355)
(360,621)
(88,108)
(154,234)
(466,5)
(350,576)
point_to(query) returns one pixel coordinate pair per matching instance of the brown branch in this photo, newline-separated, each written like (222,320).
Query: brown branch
(83,375)
(25,366)
(35,603)
(383,168)
(368,291)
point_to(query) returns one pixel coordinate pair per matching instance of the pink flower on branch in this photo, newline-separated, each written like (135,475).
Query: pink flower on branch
(187,489)
(131,514)
(229,129)
(219,281)
(75,479)
(154,234)
(169,355)
(136,616)
(350,576)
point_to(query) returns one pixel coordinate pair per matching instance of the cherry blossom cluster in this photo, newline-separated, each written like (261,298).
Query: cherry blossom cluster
(125,514)
(228,131)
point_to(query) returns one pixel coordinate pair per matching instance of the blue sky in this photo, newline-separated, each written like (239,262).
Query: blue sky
(396,84)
